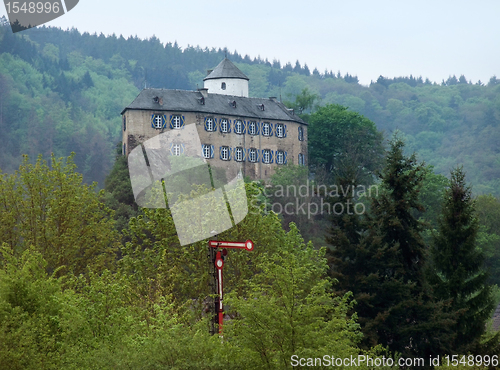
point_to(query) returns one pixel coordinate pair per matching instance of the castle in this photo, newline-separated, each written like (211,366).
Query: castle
(254,135)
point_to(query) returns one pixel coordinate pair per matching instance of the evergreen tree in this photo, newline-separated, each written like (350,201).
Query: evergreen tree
(381,260)
(118,191)
(458,264)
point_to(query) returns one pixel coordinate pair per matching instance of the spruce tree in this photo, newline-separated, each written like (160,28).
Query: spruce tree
(384,267)
(458,265)
(347,257)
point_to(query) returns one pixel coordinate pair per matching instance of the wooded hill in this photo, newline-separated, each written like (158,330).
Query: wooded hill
(62,91)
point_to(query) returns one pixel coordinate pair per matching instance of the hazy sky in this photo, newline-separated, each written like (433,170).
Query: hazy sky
(433,39)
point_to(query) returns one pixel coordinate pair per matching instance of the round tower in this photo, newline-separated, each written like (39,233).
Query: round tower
(226,79)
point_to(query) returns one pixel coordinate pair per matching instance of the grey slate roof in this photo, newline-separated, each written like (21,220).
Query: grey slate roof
(226,69)
(190,101)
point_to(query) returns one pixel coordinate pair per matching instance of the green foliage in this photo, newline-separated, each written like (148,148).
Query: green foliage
(304,102)
(50,210)
(48,103)
(288,310)
(459,274)
(381,259)
(30,308)
(342,141)
(118,194)
(488,240)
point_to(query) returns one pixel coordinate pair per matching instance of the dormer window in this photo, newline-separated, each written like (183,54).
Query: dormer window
(223,86)
(261,106)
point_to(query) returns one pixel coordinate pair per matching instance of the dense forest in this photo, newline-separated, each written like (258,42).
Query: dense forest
(63,91)
(88,280)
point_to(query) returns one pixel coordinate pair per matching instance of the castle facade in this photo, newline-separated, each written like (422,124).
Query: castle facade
(254,135)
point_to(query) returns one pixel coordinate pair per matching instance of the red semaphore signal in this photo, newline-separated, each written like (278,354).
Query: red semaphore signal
(218,261)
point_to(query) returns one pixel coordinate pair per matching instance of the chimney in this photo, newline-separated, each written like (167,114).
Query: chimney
(204,92)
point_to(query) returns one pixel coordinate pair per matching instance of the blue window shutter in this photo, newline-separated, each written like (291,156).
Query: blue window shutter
(256,155)
(230,150)
(284,157)
(272,156)
(182,148)
(215,124)
(257,125)
(244,124)
(202,150)
(153,121)
(271,129)
(284,129)
(220,153)
(229,126)
(244,155)
(211,151)
(206,127)
(164,121)
(171,121)
(171,148)
(182,121)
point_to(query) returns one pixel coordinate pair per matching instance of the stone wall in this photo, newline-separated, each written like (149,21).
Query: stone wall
(138,129)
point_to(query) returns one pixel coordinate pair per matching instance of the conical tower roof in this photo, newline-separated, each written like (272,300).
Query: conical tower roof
(226,69)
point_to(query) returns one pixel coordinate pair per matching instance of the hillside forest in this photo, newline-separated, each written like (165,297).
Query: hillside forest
(63,91)
(88,280)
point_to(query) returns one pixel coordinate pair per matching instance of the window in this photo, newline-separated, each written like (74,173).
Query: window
(238,126)
(176,122)
(124,123)
(266,129)
(252,128)
(207,151)
(223,86)
(301,134)
(176,149)
(224,125)
(280,157)
(238,154)
(124,149)
(158,121)
(209,124)
(224,153)
(302,160)
(280,130)
(252,155)
(266,156)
